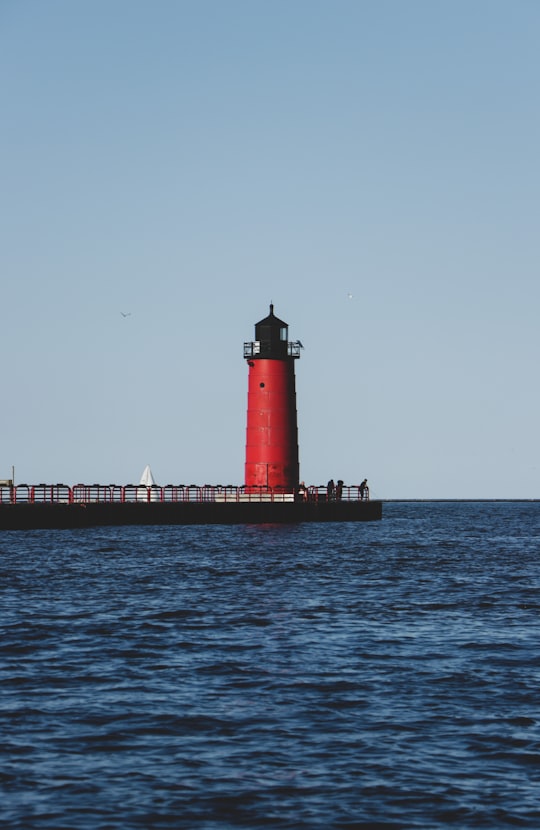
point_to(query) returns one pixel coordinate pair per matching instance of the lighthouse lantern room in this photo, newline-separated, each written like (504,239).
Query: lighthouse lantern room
(272,432)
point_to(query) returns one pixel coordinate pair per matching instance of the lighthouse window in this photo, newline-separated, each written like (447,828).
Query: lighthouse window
(283,333)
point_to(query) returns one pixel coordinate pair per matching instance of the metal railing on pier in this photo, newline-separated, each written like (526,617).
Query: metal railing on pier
(170,493)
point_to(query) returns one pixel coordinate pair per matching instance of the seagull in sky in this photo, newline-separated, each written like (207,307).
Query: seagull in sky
(350,296)
(125,313)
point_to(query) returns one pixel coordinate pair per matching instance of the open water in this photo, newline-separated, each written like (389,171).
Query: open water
(382,675)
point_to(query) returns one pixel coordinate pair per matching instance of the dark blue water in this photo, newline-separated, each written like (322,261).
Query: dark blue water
(382,675)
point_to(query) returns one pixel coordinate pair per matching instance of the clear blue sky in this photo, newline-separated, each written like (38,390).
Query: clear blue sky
(190,162)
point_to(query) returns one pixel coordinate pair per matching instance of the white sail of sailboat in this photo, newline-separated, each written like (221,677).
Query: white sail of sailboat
(147,480)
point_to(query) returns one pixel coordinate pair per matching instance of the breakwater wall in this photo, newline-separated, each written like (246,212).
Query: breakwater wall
(58,505)
(26,516)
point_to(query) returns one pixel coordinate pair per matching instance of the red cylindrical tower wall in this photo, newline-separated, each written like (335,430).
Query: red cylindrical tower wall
(272,432)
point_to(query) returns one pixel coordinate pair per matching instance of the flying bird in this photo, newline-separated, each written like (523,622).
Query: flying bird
(125,313)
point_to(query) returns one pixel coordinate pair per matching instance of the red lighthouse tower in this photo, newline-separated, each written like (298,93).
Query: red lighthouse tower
(272,432)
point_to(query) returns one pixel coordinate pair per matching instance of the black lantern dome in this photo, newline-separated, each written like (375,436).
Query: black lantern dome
(271,340)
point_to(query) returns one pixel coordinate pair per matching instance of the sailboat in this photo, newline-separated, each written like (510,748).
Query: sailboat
(147,480)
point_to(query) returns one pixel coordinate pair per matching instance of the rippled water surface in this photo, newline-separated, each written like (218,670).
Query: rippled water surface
(381,675)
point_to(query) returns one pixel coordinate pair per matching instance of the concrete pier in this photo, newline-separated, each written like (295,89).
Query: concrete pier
(21,516)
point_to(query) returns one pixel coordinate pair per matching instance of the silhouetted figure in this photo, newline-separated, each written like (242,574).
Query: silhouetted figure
(330,490)
(339,490)
(364,490)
